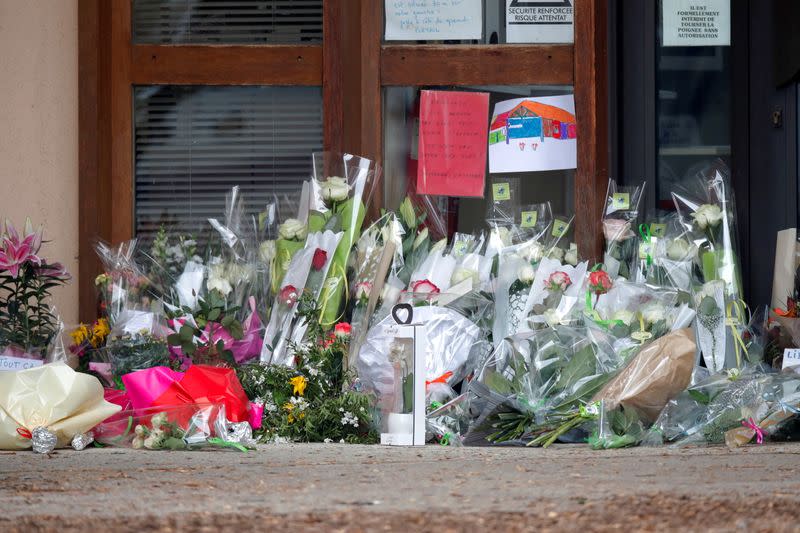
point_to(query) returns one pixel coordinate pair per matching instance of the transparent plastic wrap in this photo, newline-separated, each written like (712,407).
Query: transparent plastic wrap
(123,283)
(556,294)
(708,410)
(708,213)
(620,222)
(181,427)
(504,207)
(343,187)
(137,341)
(378,257)
(45,407)
(559,243)
(535,387)
(516,270)
(452,339)
(674,255)
(636,314)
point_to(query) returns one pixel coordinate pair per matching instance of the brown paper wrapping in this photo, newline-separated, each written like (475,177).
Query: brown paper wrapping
(658,373)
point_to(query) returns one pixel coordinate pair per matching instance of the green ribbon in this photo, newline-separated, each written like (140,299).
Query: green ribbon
(644,232)
(216,441)
(735,313)
(445,441)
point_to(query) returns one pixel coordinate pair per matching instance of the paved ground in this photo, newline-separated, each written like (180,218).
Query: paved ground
(352,488)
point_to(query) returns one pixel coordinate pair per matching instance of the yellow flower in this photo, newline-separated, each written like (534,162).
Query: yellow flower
(80,334)
(288,406)
(99,332)
(299,383)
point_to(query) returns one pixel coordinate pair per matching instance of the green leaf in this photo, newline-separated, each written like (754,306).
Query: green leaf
(174,339)
(497,382)
(699,397)
(214,314)
(186,332)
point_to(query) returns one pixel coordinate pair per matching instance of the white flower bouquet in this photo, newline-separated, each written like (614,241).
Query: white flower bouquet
(620,227)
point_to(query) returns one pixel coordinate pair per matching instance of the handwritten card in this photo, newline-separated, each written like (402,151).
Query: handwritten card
(452,143)
(414,20)
(10,363)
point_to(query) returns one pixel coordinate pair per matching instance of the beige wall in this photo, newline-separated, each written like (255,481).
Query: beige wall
(39,127)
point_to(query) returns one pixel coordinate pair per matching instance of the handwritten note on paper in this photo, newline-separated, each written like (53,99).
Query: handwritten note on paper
(413,20)
(453,131)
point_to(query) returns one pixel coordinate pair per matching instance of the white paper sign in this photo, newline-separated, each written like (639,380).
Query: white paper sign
(413,20)
(696,22)
(10,364)
(532,134)
(539,21)
(791,359)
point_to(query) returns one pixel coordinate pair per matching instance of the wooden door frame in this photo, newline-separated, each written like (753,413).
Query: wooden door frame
(352,66)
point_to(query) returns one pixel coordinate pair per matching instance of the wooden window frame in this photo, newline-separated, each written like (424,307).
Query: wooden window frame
(352,65)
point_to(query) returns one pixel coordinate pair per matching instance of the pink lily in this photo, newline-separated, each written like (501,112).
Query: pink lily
(15,252)
(56,270)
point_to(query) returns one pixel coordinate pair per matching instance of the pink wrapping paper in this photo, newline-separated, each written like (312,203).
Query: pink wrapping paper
(144,386)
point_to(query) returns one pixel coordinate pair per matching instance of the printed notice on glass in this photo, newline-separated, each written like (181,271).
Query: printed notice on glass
(533,134)
(539,21)
(435,20)
(696,22)
(452,143)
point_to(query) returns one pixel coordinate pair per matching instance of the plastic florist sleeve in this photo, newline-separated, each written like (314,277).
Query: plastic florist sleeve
(181,427)
(619,227)
(343,188)
(46,407)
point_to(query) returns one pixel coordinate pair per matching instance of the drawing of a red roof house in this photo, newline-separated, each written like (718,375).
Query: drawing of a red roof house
(533,119)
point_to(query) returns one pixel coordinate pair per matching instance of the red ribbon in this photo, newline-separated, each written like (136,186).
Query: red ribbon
(750,423)
(441,379)
(24,433)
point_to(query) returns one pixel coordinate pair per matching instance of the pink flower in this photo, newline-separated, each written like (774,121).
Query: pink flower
(558,281)
(288,295)
(319,260)
(56,270)
(424,286)
(363,290)
(15,252)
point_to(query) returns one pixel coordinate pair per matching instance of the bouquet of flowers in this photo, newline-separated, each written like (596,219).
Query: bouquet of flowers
(312,400)
(534,384)
(730,407)
(343,187)
(189,426)
(28,323)
(619,225)
(556,291)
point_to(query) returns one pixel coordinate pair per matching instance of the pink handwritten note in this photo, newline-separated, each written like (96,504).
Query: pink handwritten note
(453,136)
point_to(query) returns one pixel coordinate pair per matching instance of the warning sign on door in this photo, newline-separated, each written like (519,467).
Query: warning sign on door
(696,22)
(539,21)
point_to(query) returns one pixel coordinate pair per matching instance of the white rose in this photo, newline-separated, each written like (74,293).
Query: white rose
(571,257)
(707,215)
(556,253)
(679,249)
(653,313)
(624,316)
(552,317)
(505,235)
(335,189)
(462,274)
(293,229)
(533,252)
(266,252)
(526,274)
(218,280)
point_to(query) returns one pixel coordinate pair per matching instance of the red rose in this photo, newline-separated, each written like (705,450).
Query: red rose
(342,329)
(599,282)
(288,295)
(320,258)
